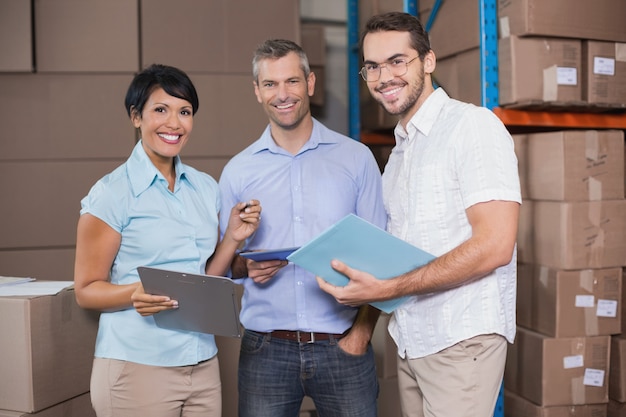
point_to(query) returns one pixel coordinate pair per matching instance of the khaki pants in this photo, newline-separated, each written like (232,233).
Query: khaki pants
(461,381)
(128,389)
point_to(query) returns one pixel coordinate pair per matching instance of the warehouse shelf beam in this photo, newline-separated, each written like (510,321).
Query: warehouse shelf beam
(410,6)
(488,15)
(354,113)
(555,119)
(433,15)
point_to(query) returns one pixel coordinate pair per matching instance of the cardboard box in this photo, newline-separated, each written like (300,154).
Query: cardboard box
(551,76)
(583,19)
(369,8)
(525,233)
(47,350)
(558,371)
(76,407)
(516,406)
(623,302)
(604,73)
(389,398)
(580,234)
(385,349)
(576,165)
(459,75)
(80,36)
(46,218)
(617,374)
(520,143)
(218,129)
(16,36)
(524,311)
(616,409)
(56,264)
(314,42)
(221,34)
(97,126)
(463,16)
(560,303)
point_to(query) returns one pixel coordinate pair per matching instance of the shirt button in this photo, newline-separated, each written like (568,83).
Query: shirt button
(300,282)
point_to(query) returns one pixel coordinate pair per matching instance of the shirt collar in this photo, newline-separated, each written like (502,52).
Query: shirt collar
(318,136)
(142,173)
(425,117)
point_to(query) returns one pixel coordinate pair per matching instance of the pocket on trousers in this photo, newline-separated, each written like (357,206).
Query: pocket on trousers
(252,343)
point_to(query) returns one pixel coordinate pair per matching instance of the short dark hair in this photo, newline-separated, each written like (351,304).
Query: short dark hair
(278,48)
(172,80)
(399,22)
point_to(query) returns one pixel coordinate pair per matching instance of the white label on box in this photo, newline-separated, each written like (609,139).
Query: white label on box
(505,29)
(620,52)
(603,66)
(585,301)
(594,377)
(575,361)
(607,308)
(566,76)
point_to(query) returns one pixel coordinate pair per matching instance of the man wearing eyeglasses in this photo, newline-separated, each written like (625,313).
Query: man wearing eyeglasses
(450,187)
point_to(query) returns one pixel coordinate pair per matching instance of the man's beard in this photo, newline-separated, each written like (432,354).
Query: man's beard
(416,91)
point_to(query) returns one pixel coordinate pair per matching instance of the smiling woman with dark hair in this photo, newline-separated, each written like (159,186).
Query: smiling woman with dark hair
(153,210)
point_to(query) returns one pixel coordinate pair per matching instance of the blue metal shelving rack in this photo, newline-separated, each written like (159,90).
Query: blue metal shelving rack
(488,74)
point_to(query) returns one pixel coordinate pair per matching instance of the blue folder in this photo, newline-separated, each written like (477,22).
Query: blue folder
(360,245)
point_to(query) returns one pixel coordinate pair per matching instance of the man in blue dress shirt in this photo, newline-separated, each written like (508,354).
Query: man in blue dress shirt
(299,341)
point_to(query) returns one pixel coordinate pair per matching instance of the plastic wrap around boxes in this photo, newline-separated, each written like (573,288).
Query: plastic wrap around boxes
(47,350)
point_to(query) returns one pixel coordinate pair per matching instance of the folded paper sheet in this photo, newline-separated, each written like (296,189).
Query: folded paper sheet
(360,245)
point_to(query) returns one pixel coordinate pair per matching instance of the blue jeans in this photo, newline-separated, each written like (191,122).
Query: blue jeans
(276,374)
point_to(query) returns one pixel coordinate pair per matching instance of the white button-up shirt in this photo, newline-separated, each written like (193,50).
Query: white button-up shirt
(452,155)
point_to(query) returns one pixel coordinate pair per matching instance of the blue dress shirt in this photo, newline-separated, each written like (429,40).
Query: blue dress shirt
(301,196)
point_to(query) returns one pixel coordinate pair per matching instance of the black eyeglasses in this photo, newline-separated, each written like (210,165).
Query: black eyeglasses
(397,67)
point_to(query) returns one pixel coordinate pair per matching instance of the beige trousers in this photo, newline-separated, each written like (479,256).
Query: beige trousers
(128,389)
(461,381)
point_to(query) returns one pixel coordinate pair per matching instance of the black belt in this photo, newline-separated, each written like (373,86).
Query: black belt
(304,337)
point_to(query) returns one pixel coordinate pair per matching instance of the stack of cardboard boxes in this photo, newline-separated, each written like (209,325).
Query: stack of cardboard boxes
(46,353)
(64,72)
(571,251)
(562,54)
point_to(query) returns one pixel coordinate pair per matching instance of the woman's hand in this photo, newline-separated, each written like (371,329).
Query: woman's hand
(244,220)
(148,304)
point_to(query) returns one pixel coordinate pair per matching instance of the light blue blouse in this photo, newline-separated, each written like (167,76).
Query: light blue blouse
(159,228)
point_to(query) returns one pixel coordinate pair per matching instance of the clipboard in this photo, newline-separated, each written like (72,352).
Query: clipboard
(268,255)
(361,245)
(206,303)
